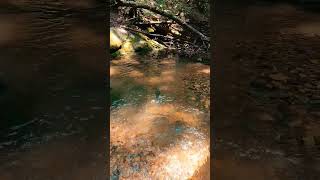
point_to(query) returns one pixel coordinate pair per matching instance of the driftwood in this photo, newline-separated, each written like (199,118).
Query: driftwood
(165,14)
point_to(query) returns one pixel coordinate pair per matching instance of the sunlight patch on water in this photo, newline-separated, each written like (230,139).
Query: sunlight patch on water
(156,133)
(205,70)
(169,132)
(128,122)
(113,71)
(184,159)
(135,74)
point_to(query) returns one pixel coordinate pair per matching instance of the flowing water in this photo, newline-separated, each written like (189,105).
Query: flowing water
(52,64)
(159,122)
(53,102)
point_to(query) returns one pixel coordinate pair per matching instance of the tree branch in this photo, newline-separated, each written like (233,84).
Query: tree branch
(165,14)
(145,33)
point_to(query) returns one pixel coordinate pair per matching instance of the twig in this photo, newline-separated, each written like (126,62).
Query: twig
(155,22)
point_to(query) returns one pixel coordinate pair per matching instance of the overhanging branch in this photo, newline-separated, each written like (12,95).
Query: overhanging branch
(165,14)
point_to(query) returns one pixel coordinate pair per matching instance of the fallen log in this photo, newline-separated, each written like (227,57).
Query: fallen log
(165,14)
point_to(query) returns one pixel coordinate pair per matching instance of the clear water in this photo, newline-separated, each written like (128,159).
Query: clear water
(158,128)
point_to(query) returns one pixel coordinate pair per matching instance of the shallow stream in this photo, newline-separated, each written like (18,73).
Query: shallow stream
(159,117)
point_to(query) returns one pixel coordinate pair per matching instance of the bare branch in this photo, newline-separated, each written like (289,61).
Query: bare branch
(165,14)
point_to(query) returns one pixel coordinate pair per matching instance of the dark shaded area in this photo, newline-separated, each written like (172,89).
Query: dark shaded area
(265,100)
(52,91)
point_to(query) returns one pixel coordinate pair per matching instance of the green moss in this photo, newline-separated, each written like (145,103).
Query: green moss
(135,39)
(115,54)
(143,50)
(137,43)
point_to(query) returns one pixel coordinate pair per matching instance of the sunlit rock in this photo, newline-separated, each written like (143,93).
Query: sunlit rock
(115,41)
(132,43)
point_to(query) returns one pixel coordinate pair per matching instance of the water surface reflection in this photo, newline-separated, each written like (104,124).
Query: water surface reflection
(51,95)
(159,129)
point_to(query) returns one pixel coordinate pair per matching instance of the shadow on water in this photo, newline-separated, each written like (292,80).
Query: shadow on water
(52,62)
(256,138)
(13,111)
